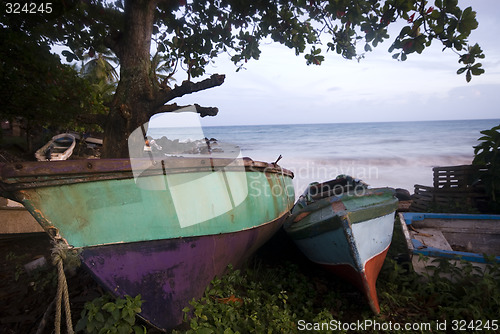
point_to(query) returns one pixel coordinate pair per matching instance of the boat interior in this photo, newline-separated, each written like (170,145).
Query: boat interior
(464,235)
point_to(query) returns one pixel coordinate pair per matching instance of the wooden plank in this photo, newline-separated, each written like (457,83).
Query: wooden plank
(14,220)
(406,233)
(453,176)
(431,237)
(447,224)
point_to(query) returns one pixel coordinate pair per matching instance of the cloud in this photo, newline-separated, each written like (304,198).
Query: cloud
(281,88)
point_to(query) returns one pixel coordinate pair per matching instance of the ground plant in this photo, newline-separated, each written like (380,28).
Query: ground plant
(301,298)
(109,315)
(277,291)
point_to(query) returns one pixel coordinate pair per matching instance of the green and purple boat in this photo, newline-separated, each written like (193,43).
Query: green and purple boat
(164,228)
(346,228)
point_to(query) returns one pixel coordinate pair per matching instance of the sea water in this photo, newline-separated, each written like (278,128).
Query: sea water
(392,154)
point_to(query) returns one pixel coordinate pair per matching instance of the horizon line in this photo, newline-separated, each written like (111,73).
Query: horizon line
(361,122)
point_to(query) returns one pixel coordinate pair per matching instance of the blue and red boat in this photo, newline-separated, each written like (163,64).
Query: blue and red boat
(346,228)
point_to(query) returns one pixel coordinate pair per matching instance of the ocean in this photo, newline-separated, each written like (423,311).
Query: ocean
(393,154)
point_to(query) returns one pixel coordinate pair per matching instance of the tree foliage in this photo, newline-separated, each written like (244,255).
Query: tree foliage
(189,35)
(487,154)
(36,86)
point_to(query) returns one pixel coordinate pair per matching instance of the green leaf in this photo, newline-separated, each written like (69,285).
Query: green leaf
(115,314)
(139,330)
(477,71)
(110,307)
(161,47)
(123,329)
(70,56)
(80,325)
(99,317)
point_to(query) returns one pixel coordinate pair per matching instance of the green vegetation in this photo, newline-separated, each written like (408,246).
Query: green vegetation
(487,154)
(38,89)
(188,36)
(268,298)
(40,279)
(282,292)
(108,315)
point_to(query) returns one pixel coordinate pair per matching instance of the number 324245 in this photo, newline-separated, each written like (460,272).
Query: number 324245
(28,8)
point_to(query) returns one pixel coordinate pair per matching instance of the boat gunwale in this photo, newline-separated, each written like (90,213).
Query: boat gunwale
(33,174)
(295,229)
(407,218)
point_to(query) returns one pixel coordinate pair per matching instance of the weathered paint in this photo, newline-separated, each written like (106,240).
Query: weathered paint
(349,234)
(416,248)
(194,203)
(137,240)
(363,280)
(170,273)
(328,213)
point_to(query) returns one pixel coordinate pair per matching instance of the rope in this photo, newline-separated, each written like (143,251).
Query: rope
(62,295)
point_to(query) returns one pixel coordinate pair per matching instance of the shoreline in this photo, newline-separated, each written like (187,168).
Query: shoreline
(404,176)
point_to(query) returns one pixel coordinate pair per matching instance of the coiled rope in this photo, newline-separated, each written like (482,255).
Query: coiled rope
(59,253)
(62,296)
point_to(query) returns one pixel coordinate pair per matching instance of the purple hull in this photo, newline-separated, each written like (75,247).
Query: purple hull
(170,273)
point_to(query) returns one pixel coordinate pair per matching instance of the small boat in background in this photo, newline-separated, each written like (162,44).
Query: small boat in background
(60,147)
(347,228)
(454,237)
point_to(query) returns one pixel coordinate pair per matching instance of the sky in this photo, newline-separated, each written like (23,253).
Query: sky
(280,88)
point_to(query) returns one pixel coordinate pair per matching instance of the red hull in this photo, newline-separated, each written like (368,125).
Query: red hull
(364,280)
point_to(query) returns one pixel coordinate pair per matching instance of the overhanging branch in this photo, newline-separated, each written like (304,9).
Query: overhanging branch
(189,87)
(203,111)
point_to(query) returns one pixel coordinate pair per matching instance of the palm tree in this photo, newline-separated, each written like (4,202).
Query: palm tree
(100,68)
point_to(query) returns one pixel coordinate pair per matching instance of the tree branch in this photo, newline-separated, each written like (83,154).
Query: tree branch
(189,87)
(203,111)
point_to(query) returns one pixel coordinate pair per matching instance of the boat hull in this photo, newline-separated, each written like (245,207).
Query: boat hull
(434,237)
(164,232)
(170,273)
(89,203)
(348,239)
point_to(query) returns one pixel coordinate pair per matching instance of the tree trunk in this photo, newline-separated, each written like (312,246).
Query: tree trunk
(134,98)
(137,98)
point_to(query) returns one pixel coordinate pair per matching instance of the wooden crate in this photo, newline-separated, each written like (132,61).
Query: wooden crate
(453,186)
(461,177)
(423,197)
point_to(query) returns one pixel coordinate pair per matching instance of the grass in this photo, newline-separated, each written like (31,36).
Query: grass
(280,291)
(290,295)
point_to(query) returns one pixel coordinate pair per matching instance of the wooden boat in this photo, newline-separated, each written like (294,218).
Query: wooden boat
(60,147)
(165,232)
(346,228)
(454,237)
